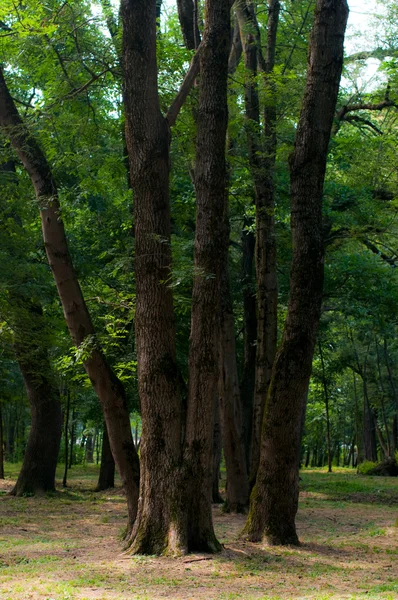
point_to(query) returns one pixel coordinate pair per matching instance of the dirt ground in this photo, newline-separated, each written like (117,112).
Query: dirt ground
(68,546)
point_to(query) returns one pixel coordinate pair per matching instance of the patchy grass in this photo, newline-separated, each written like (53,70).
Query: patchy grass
(67,546)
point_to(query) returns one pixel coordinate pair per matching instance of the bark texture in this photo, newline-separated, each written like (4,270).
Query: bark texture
(211,198)
(274,498)
(37,474)
(159,525)
(237,498)
(108,388)
(187,14)
(262,152)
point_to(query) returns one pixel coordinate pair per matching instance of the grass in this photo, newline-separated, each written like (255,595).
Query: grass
(66,546)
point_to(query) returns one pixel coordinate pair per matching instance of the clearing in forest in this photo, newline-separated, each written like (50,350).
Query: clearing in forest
(67,545)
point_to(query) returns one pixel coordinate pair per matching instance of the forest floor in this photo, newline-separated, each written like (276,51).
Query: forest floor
(67,545)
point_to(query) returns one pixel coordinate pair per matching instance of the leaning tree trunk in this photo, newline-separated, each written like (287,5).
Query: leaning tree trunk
(274,499)
(107,386)
(106,477)
(159,525)
(209,252)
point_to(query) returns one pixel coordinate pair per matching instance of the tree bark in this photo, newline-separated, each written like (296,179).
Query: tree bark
(159,525)
(262,165)
(106,477)
(250,338)
(189,23)
(274,498)
(108,388)
(66,436)
(237,497)
(217,452)
(1,445)
(37,474)
(209,253)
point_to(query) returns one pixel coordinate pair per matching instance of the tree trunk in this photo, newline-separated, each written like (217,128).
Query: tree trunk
(274,499)
(107,386)
(189,23)
(90,448)
(37,475)
(237,499)
(326,398)
(106,477)
(159,525)
(1,445)
(262,165)
(250,338)
(66,432)
(217,452)
(209,258)
(369,425)
(72,439)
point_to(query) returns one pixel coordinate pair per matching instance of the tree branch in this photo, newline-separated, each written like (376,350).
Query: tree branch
(189,80)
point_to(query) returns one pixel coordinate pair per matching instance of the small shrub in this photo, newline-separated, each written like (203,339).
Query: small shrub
(365,467)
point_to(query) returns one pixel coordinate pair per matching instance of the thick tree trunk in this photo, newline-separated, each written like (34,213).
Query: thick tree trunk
(189,22)
(159,525)
(250,338)
(274,498)
(262,164)
(237,498)
(108,388)
(37,475)
(209,256)
(106,477)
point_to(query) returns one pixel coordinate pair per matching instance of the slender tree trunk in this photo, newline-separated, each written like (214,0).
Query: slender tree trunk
(1,445)
(217,452)
(237,499)
(108,388)
(274,499)
(72,440)
(106,477)
(326,398)
(159,525)
(262,164)
(90,448)
(66,432)
(383,408)
(369,425)
(358,434)
(250,338)
(209,257)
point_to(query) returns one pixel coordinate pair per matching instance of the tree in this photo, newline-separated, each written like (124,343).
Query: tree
(274,498)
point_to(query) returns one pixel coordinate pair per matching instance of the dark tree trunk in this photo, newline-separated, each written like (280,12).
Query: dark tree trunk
(307,457)
(90,448)
(250,337)
(66,437)
(217,452)
(189,22)
(106,477)
(262,165)
(209,257)
(41,455)
(159,521)
(107,386)
(369,425)
(72,439)
(1,445)
(274,499)
(237,498)
(326,398)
